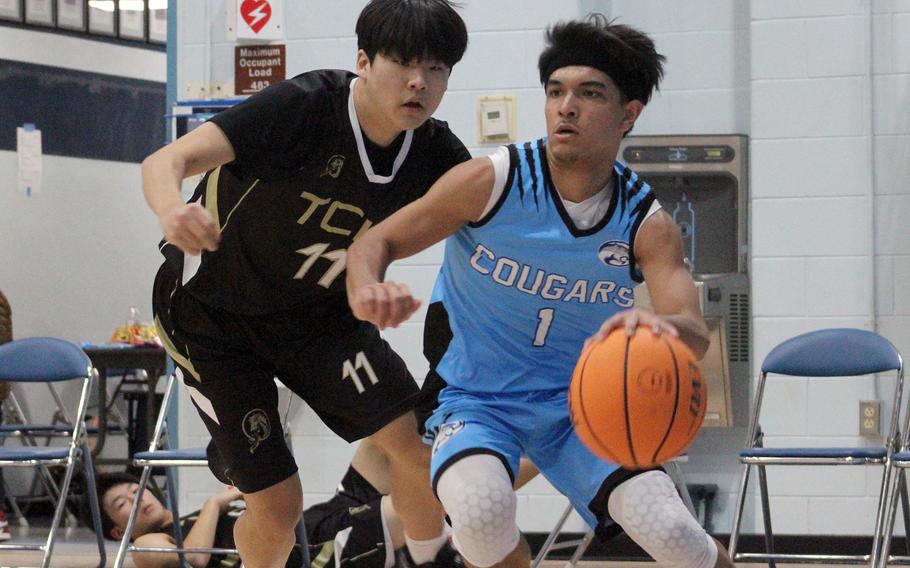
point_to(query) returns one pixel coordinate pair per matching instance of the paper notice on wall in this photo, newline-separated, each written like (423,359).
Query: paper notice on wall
(28,148)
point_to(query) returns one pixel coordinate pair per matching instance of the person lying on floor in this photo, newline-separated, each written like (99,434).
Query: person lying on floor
(356,528)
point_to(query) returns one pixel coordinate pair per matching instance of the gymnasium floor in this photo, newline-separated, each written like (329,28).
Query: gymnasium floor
(76,549)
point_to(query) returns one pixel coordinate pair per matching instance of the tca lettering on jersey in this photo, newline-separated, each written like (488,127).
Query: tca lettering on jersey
(334,208)
(334,214)
(548,285)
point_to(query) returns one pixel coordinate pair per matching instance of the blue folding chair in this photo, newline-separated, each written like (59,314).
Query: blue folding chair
(160,456)
(824,353)
(46,359)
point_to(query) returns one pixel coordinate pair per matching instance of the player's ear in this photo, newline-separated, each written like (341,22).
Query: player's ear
(362,64)
(632,110)
(117,533)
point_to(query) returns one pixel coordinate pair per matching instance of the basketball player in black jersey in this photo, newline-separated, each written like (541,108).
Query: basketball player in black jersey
(253,286)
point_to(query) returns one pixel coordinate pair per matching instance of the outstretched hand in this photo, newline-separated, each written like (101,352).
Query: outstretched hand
(190,227)
(630,320)
(384,304)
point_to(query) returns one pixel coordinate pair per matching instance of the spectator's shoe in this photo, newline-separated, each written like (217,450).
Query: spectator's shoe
(447,557)
(4,526)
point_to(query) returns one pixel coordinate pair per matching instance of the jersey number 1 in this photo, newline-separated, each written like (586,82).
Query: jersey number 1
(545,318)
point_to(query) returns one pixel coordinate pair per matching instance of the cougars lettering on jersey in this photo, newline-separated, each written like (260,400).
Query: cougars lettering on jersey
(524,287)
(549,286)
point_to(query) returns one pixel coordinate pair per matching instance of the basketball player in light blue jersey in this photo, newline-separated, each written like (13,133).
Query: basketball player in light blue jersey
(547,240)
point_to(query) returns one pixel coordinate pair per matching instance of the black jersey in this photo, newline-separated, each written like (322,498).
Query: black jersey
(303,186)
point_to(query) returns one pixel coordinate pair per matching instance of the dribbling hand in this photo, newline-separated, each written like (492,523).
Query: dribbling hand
(630,320)
(385,304)
(190,228)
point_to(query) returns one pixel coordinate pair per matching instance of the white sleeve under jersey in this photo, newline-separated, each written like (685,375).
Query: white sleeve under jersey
(585,214)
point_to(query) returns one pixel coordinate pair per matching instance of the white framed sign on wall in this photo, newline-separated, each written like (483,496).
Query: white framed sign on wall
(71,14)
(101,18)
(39,12)
(132,20)
(157,21)
(11,10)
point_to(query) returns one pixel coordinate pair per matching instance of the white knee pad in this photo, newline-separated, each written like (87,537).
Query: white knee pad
(477,494)
(651,512)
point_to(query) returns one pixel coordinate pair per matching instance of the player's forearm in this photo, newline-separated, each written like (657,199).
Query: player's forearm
(202,535)
(162,174)
(692,330)
(368,258)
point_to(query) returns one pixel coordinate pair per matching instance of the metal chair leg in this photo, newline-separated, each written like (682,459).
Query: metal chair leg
(58,516)
(44,475)
(675,473)
(131,521)
(92,490)
(890,511)
(766,514)
(905,509)
(551,538)
(172,504)
(880,516)
(14,505)
(580,549)
(304,544)
(733,544)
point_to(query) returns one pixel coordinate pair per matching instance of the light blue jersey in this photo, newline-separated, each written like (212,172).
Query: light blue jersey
(524,287)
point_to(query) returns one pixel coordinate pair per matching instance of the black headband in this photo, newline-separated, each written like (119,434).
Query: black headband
(622,73)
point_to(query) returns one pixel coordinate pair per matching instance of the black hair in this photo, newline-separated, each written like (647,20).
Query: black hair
(412,29)
(625,54)
(104,483)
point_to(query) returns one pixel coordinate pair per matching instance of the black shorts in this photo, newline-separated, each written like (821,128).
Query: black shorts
(339,365)
(429,399)
(437,334)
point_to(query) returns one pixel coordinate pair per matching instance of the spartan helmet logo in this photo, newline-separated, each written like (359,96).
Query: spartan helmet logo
(333,166)
(256,427)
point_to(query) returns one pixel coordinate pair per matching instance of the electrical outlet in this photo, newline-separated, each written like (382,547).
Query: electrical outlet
(870,418)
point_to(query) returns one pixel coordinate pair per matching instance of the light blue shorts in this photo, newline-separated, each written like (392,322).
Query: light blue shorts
(534,425)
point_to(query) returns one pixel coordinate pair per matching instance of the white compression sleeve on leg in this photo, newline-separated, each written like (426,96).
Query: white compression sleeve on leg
(651,512)
(477,494)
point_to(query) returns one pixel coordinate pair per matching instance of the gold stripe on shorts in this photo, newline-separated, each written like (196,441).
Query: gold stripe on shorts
(179,358)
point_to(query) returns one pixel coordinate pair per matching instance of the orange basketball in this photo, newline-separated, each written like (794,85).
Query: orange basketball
(637,401)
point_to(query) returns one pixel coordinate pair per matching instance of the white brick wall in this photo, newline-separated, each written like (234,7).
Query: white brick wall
(811,227)
(792,74)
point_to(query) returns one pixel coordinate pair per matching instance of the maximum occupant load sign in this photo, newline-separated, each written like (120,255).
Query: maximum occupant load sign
(257,66)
